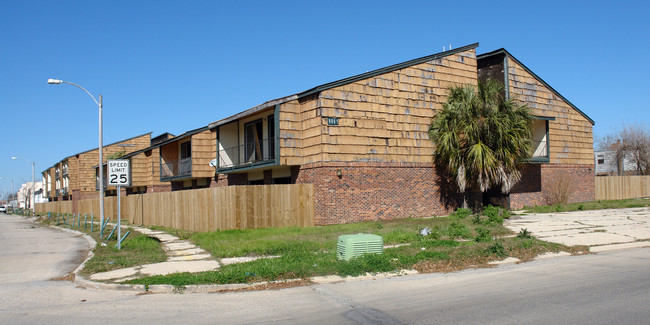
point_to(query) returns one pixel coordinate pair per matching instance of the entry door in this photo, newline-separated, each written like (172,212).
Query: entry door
(253,137)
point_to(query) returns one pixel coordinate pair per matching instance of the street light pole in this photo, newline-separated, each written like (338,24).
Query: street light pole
(101,144)
(33,184)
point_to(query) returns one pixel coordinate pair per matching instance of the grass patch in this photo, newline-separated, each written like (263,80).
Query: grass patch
(137,249)
(593,205)
(454,242)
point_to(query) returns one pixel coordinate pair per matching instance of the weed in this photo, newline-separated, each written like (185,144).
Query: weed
(482,235)
(496,249)
(524,233)
(365,264)
(456,230)
(462,213)
(495,215)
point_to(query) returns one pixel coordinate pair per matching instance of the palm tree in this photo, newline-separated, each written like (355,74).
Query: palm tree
(481,139)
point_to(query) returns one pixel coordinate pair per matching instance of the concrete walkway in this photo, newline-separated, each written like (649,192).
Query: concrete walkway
(601,229)
(182,256)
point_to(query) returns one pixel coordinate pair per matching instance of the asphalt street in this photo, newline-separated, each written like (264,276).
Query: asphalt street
(610,287)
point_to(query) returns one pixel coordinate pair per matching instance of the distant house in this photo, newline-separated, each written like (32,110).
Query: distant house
(607,164)
(26,194)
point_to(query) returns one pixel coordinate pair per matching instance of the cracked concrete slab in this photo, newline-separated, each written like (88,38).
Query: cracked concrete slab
(194,257)
(191,251)
(115,274)
(178,246)
(597,227)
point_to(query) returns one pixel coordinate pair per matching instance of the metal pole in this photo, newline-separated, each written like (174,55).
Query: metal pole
(33,190)
(101,161)
(119,218)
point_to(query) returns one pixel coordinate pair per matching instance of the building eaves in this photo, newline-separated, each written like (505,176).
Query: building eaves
(105,145)
(384,70)
(504,51)
(179,137)
(253,110)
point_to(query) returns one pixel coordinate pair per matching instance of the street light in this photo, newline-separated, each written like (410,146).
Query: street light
(33,184)
(101,146)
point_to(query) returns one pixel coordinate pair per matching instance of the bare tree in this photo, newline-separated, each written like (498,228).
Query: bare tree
(631,144)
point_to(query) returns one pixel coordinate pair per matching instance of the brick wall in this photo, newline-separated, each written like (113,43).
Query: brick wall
(538,179)
(373,191)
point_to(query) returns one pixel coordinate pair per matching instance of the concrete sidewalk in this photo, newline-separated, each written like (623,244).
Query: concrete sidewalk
(600,229)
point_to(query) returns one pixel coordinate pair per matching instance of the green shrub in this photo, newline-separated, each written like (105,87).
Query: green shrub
(462,213)
(496,249)
(495,215)
(482,235)
(524,233)
(456,230)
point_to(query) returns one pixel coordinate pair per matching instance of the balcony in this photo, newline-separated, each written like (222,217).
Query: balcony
(540,152)
(62,192)
(176,169)
(247,155)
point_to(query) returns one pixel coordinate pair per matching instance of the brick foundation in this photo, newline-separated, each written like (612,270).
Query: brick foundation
(538,179)
(372,191)
(381,191)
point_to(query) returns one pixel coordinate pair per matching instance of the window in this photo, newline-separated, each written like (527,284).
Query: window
(186,150)
(601,159)
(540,152)
(271,136)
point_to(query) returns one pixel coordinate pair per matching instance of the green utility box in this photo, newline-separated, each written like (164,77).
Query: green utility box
(349,246)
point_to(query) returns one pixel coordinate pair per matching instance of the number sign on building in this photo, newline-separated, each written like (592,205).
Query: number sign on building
(119,173)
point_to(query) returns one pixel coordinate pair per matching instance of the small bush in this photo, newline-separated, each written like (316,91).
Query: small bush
(496,249)
(462,213)
(456,230)
(482,235)
(559,189)
(524,233)
(495,215)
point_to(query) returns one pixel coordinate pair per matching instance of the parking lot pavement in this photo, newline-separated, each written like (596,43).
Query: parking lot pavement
(600,229)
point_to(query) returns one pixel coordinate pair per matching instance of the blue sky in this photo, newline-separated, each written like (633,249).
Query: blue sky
(172,66)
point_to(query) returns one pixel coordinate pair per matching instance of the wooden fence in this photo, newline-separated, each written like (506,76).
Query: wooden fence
(209,209)
(622,187)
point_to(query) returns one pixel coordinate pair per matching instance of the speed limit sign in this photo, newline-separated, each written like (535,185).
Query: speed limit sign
(119,173)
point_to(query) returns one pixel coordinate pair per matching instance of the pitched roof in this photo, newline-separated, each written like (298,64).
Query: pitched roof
(503,51)
(342,82)
(105,145)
